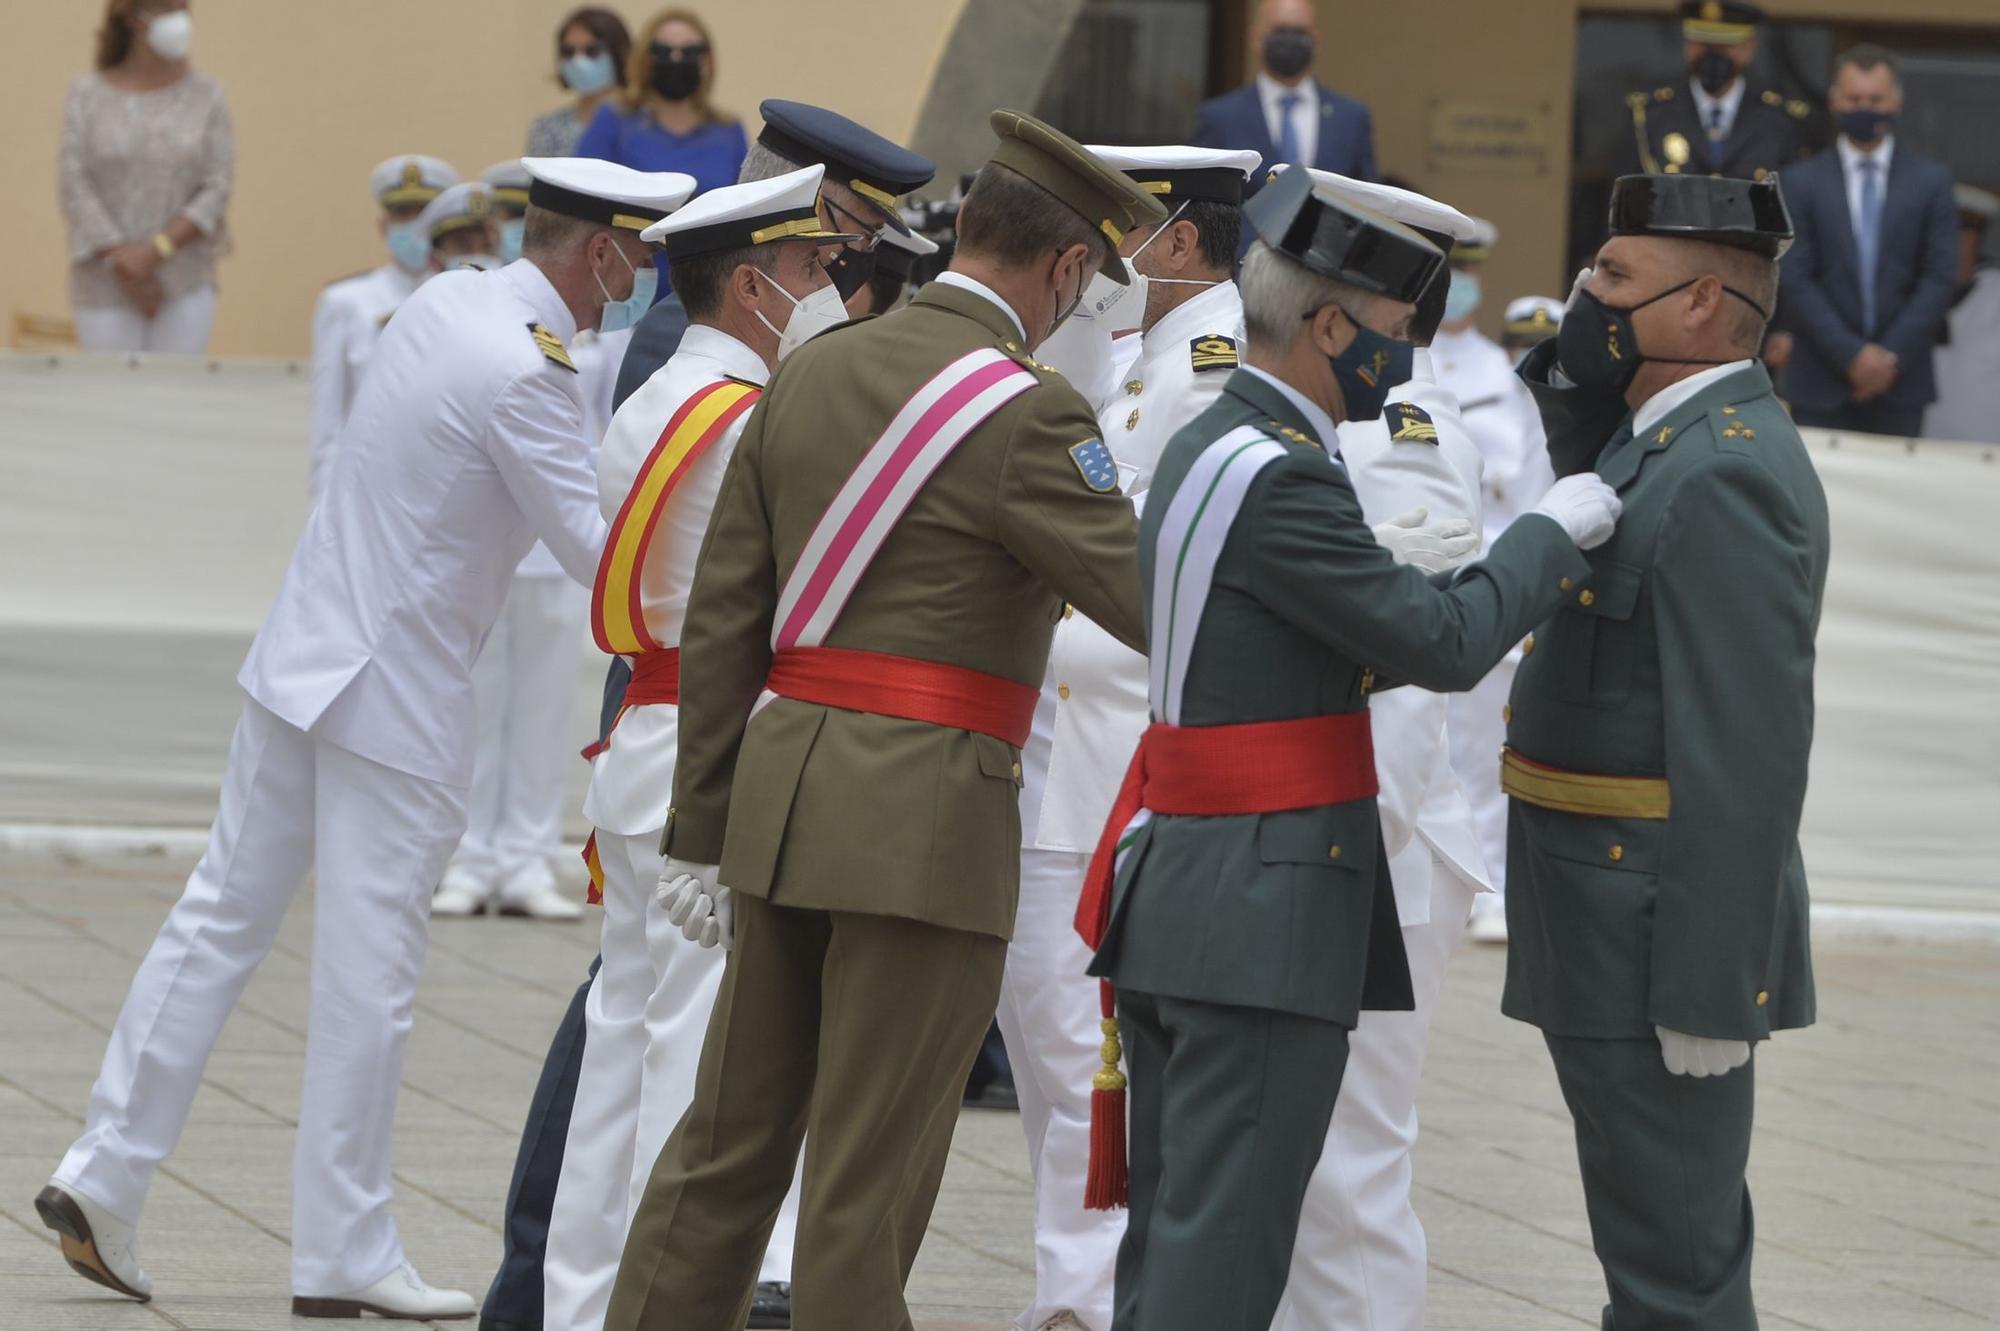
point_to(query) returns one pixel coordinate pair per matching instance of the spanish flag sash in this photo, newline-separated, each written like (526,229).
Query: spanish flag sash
(617,617)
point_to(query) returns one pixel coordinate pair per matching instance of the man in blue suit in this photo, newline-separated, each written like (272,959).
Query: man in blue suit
(1284,113)
(1871,277)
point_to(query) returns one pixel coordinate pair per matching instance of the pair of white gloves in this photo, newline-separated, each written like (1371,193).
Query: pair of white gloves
(696,904)
(1582,505)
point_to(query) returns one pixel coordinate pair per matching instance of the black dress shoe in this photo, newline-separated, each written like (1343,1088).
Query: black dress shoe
(493,1324)
(771,1309)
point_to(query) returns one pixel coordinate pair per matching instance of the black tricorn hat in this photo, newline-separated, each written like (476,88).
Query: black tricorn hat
(1745,214)
(1305,223)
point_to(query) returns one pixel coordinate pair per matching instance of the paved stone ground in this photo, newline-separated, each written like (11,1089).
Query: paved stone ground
(1877,1182)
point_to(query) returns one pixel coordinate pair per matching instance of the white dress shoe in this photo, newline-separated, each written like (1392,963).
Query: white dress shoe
(532,891)
(401,1295)
(97,1244)
(461,893)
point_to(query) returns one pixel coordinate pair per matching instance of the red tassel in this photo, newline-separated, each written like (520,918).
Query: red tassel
(1107,1185)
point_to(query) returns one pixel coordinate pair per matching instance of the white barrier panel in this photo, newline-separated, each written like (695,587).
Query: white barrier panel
(146,515)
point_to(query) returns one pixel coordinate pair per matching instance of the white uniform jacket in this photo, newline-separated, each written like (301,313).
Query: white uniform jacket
(597,356)
(1093,701)
(464,445)
(1424,811)
(1967,409)
(632,781)
(346,324)
(1500,416)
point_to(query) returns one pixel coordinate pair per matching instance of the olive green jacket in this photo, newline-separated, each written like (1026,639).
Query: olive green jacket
(826,809)
(1294,911)
(1692,661)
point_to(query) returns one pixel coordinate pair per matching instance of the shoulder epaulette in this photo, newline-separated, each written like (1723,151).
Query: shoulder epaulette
(1773,98)
(1410,424)
(551,346)
(1664,94)
(1213,351)
(1797,109)
(1291,436)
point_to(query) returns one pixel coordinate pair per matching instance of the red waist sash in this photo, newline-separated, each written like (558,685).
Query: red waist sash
(1215,771)
(656,678)
(902,686)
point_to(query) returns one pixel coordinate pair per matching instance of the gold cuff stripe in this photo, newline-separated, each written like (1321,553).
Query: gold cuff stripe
(1580,792)
(874,194)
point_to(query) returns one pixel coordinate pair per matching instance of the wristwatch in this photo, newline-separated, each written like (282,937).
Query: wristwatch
(164,246)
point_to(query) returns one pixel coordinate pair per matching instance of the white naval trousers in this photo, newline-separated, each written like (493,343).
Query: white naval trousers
(181,327)
(645,1020)
(375,839)
(1360,1261)
(1477,733)
(524,682)
(1049,1018)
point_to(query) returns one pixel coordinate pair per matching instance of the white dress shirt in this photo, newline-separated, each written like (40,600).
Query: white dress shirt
(630,781)
(1731,101)
(1851,158)
(1322,424)
(1305,114)
(980,289)
(1661,404)
(464,445)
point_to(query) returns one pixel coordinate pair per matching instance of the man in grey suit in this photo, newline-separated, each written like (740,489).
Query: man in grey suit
(1873,271)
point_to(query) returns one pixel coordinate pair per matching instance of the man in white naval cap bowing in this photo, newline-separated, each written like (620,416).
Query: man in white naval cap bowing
(748,266)
(354,749)
(1360,1259)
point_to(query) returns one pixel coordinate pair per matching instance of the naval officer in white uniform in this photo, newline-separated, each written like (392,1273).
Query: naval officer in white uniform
(352,311)
(747,265)
(1360,1261)
(355,744)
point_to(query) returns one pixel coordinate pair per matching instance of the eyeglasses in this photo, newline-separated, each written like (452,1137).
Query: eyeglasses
(668,51)
(589,51)
(871,234)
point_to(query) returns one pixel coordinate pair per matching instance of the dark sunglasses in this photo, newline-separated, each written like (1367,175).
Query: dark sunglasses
(668,51)
(589,51)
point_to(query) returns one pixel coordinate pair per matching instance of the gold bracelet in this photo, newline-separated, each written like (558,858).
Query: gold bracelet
(164,246)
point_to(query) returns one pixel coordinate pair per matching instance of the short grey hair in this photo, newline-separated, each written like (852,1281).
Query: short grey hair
(1280,293)
(551,237)
(762,163)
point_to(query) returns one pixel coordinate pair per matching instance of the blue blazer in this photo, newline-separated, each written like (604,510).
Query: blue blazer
(1346,132)
(1916,275)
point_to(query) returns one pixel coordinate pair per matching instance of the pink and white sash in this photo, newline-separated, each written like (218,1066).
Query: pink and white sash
(896,466)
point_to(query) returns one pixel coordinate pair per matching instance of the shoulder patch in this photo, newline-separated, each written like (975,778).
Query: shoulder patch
(1094,463)
(1213,351)
(1410,424)
(551,346)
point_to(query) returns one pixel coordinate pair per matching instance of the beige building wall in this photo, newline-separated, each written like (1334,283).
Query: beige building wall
(324,89)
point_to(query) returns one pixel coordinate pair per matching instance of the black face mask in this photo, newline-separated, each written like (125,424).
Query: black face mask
(675,80)
(850,270)
(1598,347)
(1866,126)
(1288,52)
(1714,71)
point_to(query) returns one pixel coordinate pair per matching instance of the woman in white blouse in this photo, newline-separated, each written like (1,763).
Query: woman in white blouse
(147,158)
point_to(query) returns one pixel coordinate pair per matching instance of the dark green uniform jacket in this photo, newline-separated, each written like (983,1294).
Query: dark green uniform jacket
(1693,661)
(1668,137)
(1294,911)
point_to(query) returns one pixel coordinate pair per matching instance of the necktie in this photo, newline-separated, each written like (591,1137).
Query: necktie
(1288,132)
(1868,237)
(1717,131)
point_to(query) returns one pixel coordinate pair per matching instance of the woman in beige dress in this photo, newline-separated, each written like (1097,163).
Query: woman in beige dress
(147,158)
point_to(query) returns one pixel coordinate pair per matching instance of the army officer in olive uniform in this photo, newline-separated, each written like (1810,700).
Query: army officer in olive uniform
(868,817)
(1253,917)
(1657,747)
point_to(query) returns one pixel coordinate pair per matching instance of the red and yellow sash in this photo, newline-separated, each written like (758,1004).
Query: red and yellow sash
(617,619)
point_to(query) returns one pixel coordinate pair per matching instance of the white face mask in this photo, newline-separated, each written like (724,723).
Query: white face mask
(171,35)
(817,312)
(1123,308)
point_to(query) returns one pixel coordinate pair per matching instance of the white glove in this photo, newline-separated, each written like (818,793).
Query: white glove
(710,917)
(1431,546)
(674,894)
(1698,1056)
(1586,507)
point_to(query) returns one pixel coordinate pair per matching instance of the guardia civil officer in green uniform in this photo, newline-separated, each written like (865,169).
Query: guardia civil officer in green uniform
(1253,917)
(1657,745)
(1721,119)
(912,502)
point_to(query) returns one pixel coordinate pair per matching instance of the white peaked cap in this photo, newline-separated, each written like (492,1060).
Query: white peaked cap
(605,192)
(410,178)
(756,212)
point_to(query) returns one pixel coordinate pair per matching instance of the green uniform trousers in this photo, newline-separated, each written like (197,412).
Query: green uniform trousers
(1229,1111)
(854,1033)
(1663,1160)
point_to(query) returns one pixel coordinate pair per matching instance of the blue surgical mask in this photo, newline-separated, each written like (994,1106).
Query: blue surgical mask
(622,314)
(1462,300)
(512,232)
(409,246)
(587,75)
(1369,368)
